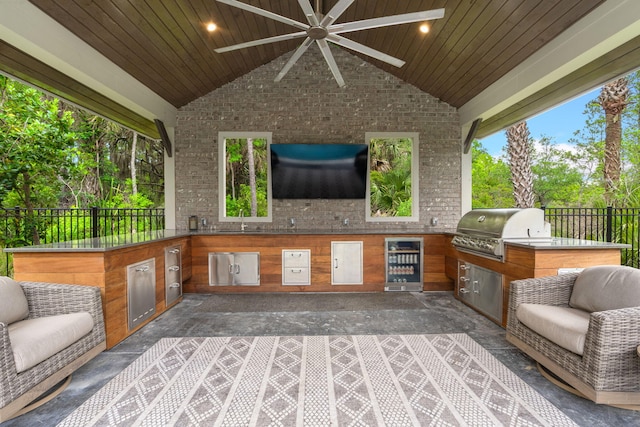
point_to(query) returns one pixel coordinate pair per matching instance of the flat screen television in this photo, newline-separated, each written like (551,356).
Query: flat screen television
(319,171)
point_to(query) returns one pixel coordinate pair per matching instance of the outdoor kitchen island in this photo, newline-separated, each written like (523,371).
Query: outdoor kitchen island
(106,262)
(114,263)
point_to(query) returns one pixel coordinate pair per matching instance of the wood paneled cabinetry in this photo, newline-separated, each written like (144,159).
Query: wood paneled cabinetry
(359,259)
(108,270)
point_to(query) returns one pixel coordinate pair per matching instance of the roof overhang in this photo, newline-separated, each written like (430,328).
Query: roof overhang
(600,47)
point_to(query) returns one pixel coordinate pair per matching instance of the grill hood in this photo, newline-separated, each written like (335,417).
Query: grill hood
(484,231)
(504,223)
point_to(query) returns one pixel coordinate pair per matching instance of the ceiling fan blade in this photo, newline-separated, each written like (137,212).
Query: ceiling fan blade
(357,47)
(294,58)
(335,12)
(259,42)
(265,13)
(307,9)
(328,56)
(386,21)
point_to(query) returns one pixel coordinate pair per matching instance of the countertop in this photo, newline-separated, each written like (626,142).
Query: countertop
(103,244)
(564,243)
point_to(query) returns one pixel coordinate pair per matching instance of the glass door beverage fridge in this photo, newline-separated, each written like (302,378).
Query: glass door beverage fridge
(403,264)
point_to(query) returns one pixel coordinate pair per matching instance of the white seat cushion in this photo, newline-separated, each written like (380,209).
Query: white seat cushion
(35,340)
(13,302)
(564,326)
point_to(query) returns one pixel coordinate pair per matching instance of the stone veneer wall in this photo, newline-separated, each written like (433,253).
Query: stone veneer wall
(308,106)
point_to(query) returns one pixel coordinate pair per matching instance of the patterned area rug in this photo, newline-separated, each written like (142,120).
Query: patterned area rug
(399,380)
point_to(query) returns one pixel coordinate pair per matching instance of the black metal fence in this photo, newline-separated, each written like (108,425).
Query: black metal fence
(20,228)
(615,225)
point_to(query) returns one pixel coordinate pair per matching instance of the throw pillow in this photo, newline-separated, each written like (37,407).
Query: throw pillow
(606,287)
(13,302)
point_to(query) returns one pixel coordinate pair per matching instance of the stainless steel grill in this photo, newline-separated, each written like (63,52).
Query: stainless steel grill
(485,231)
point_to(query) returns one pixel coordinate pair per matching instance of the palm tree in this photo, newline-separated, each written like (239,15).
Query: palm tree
(518,150)
(613,98)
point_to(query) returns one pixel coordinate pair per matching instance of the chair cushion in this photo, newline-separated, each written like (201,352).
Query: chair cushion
(13,302)
(565,326)
(35,340)
(606,287)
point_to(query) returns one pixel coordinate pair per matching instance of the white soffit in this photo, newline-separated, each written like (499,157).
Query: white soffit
(604,29)
(29,29)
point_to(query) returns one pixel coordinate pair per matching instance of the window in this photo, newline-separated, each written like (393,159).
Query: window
(245,176)
(392,193)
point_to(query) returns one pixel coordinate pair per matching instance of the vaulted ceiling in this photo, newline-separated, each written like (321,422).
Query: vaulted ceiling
(135,61)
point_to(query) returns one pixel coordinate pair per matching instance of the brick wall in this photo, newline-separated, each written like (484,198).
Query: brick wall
(308,106)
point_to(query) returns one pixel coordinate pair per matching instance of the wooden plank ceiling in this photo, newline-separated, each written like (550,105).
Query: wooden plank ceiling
(164,44)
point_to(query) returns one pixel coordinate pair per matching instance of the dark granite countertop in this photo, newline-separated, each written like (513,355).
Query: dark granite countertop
(102,244)
(564,243)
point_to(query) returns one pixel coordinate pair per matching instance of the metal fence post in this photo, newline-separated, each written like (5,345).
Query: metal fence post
(94,221)
(609,229)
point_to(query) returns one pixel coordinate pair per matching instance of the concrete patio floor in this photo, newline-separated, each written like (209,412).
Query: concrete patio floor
(318,314)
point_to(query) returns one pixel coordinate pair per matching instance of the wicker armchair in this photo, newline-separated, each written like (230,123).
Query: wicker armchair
(608,371)
(18,390)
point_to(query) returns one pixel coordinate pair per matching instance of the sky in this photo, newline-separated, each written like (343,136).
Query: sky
(558,124)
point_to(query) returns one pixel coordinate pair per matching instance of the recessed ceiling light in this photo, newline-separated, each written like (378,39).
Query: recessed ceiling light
(211,27)
(424,28)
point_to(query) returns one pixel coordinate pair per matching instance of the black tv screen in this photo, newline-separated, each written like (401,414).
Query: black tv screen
(319,171)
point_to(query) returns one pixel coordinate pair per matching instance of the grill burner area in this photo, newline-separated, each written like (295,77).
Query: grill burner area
(484,231)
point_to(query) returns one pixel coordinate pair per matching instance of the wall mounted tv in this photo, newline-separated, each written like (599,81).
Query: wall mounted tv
(319,171)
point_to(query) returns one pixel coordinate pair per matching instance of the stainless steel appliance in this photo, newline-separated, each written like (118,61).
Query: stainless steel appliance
(141,291)
(403,263)
(234,269)
(480,288)
(484,231)
(172,274)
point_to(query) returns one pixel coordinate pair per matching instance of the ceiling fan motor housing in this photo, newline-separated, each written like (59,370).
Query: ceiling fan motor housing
(317,32)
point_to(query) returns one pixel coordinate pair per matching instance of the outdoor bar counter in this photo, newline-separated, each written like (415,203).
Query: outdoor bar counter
(104,261)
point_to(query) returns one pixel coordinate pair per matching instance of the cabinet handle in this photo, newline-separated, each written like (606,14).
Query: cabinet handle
(296,270)
(463,290)
(174,285)
(174,251)
(237,268)
(464,279)
(335,263)
(143,268)
(174,268)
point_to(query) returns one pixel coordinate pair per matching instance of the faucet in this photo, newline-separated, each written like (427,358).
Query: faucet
(242,224)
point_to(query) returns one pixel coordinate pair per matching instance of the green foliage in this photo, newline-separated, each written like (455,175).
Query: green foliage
(390,177)
(491,180)
(56,155)
(238,179)
(569,178)
(35,139)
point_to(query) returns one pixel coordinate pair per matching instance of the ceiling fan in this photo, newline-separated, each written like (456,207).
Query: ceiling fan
(322,29)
